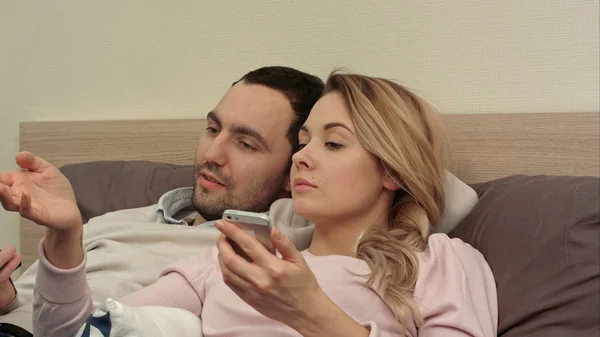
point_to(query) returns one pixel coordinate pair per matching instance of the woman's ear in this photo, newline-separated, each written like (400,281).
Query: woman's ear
(389,182)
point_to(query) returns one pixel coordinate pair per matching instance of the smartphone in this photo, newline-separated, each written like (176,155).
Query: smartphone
(255,224)
(20,263)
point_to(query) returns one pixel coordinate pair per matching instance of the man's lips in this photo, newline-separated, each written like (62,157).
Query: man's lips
(209,181)
(212,178)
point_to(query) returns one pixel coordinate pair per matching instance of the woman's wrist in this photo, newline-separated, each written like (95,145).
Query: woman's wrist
(324,318)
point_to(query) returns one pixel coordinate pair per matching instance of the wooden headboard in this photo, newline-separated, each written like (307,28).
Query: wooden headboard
(482,147)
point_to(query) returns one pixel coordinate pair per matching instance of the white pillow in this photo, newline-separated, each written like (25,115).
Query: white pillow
(460,200)
(115,319)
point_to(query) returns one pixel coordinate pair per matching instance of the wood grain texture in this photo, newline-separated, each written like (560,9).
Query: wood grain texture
(490,146)
(61,143)
(482,147)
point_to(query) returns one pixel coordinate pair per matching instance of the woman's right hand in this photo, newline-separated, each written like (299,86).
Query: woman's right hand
(40,193)
(9,261)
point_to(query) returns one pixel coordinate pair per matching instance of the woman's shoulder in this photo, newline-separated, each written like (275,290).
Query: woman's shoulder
(450,266)
(455,286)
(451,263)
(441,249)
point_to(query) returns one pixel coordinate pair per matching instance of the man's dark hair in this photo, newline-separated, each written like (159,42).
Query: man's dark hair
(302,90)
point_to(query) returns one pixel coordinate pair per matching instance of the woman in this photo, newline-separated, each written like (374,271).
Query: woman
(369,174)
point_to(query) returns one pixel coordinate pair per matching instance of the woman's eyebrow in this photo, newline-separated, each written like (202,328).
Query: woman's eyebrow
(328,126)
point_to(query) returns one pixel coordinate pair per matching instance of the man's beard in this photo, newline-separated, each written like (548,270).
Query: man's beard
(257,197)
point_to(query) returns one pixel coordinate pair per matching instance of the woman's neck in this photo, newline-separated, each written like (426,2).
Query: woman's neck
(337,236)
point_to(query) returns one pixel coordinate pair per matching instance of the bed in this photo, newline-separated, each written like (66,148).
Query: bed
(552,154)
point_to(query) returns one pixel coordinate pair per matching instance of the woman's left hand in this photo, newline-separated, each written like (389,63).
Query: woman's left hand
(283,289)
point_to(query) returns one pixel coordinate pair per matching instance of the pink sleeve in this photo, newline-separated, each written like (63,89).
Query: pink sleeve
(62,299)
(181,285)
(456,291)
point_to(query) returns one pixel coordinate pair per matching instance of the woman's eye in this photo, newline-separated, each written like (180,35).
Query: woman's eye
(301,146)
(333,146)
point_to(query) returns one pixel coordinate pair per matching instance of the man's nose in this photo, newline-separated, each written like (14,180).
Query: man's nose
(217,151)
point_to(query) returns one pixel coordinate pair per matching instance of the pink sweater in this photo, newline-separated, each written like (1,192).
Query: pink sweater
(455,291)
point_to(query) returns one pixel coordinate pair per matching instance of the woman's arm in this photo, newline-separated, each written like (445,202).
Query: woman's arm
(283,289)
(327,319)
(457,290)
(63,301)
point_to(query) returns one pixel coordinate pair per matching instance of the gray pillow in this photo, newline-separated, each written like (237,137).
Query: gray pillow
(540,235)
(106,186)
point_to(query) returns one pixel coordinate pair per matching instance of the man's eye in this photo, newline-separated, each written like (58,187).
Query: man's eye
(333,146)
(212,130)
(247,146)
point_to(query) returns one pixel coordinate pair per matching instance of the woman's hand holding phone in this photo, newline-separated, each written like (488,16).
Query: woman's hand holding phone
(256,224)
(283,289)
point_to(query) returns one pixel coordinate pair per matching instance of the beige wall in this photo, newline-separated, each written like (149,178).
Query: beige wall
(174,59)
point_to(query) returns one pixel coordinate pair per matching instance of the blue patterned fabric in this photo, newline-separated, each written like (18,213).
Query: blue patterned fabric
(101,323)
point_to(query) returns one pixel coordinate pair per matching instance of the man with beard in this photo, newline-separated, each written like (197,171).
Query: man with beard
(242,162)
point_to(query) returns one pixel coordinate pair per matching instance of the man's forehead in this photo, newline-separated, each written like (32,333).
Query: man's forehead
(266,110)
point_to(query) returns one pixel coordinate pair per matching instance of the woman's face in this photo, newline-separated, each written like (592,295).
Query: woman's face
(333,176)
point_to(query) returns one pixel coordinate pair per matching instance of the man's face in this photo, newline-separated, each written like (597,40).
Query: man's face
(243,155)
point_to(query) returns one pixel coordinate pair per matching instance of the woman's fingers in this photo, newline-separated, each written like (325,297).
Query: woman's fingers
(235,263)
(254,249)
(285,247)
(245,275)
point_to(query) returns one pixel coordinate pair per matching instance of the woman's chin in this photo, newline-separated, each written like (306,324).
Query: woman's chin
(306,209)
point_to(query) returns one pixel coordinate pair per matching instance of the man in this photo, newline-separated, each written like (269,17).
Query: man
(242,162)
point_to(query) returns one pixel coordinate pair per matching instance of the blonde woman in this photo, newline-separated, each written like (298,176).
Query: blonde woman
(369,175)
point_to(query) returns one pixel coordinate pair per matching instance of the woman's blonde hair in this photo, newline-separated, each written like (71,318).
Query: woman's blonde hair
(406,134)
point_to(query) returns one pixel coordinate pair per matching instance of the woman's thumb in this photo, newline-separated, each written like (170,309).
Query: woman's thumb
(285,246)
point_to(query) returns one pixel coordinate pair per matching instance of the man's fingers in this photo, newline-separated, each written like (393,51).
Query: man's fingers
(30,162)
(25,205)
(6,178)
(10,202)
(10,267)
